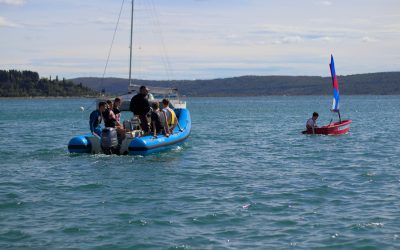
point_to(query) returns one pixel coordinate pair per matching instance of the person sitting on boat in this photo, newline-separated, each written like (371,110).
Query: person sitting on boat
(172,120)
(140,107)
(312,122)
(109,116)
(116,110)
(110,120)
(96,118)
(158,121)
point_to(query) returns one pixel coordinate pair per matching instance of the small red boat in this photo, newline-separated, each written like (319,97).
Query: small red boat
(336,128)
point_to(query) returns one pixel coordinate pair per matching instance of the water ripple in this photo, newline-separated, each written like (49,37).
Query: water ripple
(246,179)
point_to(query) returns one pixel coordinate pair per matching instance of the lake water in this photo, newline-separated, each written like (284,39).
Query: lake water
(246,178)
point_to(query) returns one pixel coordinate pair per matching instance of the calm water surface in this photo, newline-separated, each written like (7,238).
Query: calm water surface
(246,178)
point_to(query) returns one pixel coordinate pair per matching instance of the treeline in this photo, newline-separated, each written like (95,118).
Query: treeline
(385,83)
(15,83)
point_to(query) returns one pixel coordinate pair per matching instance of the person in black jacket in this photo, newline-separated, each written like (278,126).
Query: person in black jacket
(140,107)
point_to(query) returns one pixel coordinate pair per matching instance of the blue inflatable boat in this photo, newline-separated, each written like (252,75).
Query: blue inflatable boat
(133,143)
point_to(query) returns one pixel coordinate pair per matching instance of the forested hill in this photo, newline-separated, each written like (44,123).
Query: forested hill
(361,84)
(14,83)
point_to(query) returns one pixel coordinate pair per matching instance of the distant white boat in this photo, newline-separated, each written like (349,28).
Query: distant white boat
(156,94)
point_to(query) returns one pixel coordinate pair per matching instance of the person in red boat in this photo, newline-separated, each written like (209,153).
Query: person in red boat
(312,122)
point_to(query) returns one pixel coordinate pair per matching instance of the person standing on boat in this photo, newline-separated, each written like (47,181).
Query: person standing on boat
(96,118)
(172,120)
(312,122)
(140,107)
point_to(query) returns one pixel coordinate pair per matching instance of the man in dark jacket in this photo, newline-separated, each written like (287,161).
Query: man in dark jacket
(140,107)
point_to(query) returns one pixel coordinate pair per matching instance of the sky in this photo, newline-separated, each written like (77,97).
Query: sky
(200,39)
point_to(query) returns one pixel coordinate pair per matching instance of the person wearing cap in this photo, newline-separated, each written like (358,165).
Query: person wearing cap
(140,107)
(312,122)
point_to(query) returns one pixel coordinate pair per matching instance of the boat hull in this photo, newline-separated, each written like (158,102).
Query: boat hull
(149,144)
(337,128)
(79,144)
(133,145)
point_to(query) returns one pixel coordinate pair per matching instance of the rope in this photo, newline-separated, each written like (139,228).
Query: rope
(112,43)
(87,108)
(156,29)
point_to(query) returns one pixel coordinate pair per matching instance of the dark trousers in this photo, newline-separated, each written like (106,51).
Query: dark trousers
(144,123)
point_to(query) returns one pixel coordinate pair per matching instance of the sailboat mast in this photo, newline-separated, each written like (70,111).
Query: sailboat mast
(131,45)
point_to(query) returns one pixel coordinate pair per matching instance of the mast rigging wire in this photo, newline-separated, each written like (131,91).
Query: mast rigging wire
(112,43)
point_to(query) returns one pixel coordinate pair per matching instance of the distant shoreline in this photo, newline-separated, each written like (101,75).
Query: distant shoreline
(28,85)
(385,83)
(185,97)
(47,97)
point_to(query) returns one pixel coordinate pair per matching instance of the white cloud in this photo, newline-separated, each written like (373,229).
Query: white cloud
(292,39)
(367,39)
(103,20)
(201,39)
(289,34)
(13,2)
(325,3)
(325,38)
(5,23)
(112,21)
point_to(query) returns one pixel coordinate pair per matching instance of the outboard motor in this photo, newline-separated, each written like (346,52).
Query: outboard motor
(109,141)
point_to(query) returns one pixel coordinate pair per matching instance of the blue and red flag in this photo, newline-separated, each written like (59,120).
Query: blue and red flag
(335,84)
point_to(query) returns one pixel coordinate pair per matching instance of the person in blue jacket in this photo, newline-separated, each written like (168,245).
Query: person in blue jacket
(96,118)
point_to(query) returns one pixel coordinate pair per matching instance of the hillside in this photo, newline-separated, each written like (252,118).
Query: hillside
(14,83)
(362,84)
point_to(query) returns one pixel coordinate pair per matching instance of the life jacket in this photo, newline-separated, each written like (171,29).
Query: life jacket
(171,116)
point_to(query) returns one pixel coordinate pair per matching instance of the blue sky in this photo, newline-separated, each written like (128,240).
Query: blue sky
(200,39)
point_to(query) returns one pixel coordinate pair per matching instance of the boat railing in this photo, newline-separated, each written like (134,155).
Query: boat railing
(155,90)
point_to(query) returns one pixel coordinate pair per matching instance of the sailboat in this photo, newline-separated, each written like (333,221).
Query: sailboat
(337,128)
(135,141)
